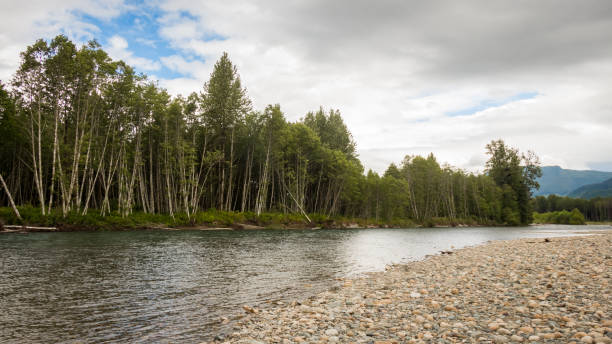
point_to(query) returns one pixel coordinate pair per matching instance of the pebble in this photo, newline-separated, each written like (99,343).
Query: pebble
(587,339)
(331,332)
(516,338)
(500,339)
(501,292)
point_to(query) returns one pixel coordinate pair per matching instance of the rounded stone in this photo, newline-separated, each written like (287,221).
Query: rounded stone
(516,338)
(331,332)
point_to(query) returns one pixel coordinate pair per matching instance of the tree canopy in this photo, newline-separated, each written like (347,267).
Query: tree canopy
(516,175)
(82,132)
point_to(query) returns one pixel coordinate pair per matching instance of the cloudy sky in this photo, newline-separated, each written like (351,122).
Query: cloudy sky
(409,77)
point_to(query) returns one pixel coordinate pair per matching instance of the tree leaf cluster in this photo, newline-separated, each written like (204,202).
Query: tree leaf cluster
(82,132)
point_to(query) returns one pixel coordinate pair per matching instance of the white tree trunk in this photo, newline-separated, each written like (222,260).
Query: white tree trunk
(10,198)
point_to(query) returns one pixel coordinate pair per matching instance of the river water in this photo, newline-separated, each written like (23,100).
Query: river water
(174,286)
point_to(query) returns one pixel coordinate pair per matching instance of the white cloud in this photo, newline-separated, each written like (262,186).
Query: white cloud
(178,64)
(182,86)
(22,22)
(117,48)
(394,69)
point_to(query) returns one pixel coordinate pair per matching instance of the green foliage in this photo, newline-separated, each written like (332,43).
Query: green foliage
(603,189)
(331,130)
(12,138)
(211,218)
(563,217)
(596,209)
(517,181)
(224,100)
(92,144)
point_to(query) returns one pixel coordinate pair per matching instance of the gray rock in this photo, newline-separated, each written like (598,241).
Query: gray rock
(500,339)
(331,332)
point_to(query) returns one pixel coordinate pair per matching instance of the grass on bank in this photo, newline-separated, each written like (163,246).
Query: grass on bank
(604,223)
(94,220)
(210,218)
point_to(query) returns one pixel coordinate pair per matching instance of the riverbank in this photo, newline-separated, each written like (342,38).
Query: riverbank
(34,221)
(527,290)
(606,223)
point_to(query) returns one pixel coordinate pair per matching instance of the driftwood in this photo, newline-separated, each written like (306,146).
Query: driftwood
(19,228)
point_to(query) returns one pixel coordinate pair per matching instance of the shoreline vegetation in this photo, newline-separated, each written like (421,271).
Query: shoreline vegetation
(563,217)
(595,209)
(525,290)
(86,137)
(89,143)
(212,219)
(33,221)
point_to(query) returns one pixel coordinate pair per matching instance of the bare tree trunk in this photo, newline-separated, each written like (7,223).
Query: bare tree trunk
(167,169)
(335,198)
(37,158)
(263,184)
(377,198)
(10,198)
(86,168)
(247,179)
(228,201)
(55,143)
(294,199)
(198,186)
(221,191)
(130,188)
(316,198)
(100,164)
(107,181)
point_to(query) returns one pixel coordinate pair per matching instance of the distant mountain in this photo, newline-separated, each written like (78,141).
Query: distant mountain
(559,181)
(603,189)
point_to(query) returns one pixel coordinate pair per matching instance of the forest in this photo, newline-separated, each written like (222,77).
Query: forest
(595,209)
(85,135)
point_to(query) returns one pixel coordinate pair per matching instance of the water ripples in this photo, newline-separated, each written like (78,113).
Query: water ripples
(159,286)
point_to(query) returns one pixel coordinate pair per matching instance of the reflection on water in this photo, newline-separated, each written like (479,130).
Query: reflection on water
(174,286)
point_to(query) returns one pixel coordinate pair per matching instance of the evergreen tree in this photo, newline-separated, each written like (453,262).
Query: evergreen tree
(82,132)
(517,181)
(224,103)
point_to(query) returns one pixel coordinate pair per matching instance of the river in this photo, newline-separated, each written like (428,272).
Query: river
(174,286)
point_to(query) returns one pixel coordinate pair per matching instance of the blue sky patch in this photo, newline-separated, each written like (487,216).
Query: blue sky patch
(140,27)
(491,103)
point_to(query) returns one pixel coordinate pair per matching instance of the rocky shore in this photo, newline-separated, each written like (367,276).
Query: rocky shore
(529,290)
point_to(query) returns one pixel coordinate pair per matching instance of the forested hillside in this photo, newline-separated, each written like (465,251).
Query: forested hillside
(559,181)
(603,189)
(82,133)
(596,209)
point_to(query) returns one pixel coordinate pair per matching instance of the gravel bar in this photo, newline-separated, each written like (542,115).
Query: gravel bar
(528,290)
